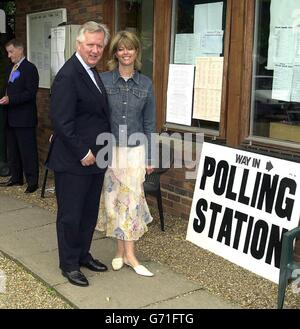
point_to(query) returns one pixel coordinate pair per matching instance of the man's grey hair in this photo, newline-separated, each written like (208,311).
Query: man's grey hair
(16,43)
(93,27)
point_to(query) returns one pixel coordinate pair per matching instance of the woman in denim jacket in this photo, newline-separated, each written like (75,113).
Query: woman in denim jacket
(124,213)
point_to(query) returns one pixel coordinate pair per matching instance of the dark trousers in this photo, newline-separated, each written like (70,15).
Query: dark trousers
(23,154)
(78,200)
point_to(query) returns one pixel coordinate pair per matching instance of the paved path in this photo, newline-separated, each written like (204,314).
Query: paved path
(27,234)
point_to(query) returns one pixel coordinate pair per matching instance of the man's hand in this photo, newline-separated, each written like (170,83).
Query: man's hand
(149,170)
(4,100)
(89,160)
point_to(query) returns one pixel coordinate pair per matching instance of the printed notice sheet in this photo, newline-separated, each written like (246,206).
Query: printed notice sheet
(286,82)
(282,82)
(297,45)
(58,36)
(212,42)
(285,17)
(180,94)
(188,46)
(208,16)
(208,88)
(295,94)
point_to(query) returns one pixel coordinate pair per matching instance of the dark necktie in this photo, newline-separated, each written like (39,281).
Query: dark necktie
(97,78)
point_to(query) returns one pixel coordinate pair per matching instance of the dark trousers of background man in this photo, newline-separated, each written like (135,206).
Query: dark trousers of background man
(23,154)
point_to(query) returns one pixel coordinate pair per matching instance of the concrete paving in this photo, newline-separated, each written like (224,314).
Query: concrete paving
(27,234)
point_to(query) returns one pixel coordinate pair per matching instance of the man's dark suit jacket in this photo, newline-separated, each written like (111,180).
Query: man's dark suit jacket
(22,110)
(79,113)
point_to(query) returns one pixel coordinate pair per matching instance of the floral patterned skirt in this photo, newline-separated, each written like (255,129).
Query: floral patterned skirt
(123,212)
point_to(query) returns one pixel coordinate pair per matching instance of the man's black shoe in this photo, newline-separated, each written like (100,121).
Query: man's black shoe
(31,188)
(95,265)
(76,277)
(12,183)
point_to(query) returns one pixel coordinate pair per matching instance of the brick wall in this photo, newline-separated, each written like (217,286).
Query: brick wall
(177,193)
(177,190)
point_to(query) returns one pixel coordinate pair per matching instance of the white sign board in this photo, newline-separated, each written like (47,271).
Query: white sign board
(243,203)
(39,40)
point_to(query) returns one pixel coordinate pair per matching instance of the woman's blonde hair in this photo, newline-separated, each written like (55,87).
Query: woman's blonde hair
(128,40)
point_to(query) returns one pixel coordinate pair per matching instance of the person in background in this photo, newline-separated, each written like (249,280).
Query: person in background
(22,81)
(4,62)
(79,113)
(124,212)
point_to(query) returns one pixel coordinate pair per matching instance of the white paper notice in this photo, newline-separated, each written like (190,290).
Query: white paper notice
(208,17)
(212,42)
(282,82)
(283,44)
(187,47)
(190,46)
(297,45)
(284,13)
(295,97)
(208,88)
(58,37)
(180,94)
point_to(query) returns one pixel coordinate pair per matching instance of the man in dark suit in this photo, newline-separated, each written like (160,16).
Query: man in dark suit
(22,82)
(79,113)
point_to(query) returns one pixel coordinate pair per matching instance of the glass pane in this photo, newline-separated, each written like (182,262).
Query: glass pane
(276,71)
(198,32)
(137,16)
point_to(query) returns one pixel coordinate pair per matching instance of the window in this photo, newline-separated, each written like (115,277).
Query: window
(276,71)
(198,40)
(137,16)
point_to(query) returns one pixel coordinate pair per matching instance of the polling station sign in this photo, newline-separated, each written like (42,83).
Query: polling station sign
(243,203)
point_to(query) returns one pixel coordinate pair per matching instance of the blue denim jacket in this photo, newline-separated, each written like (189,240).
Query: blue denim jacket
(132,105)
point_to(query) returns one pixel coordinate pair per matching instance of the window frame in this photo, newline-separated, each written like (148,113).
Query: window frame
(214,134)
(246,138)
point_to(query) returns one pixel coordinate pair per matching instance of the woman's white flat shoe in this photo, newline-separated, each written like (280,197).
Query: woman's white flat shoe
(117,264)
(141,270)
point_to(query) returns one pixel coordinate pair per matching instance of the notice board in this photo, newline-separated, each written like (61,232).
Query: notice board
(39,40)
